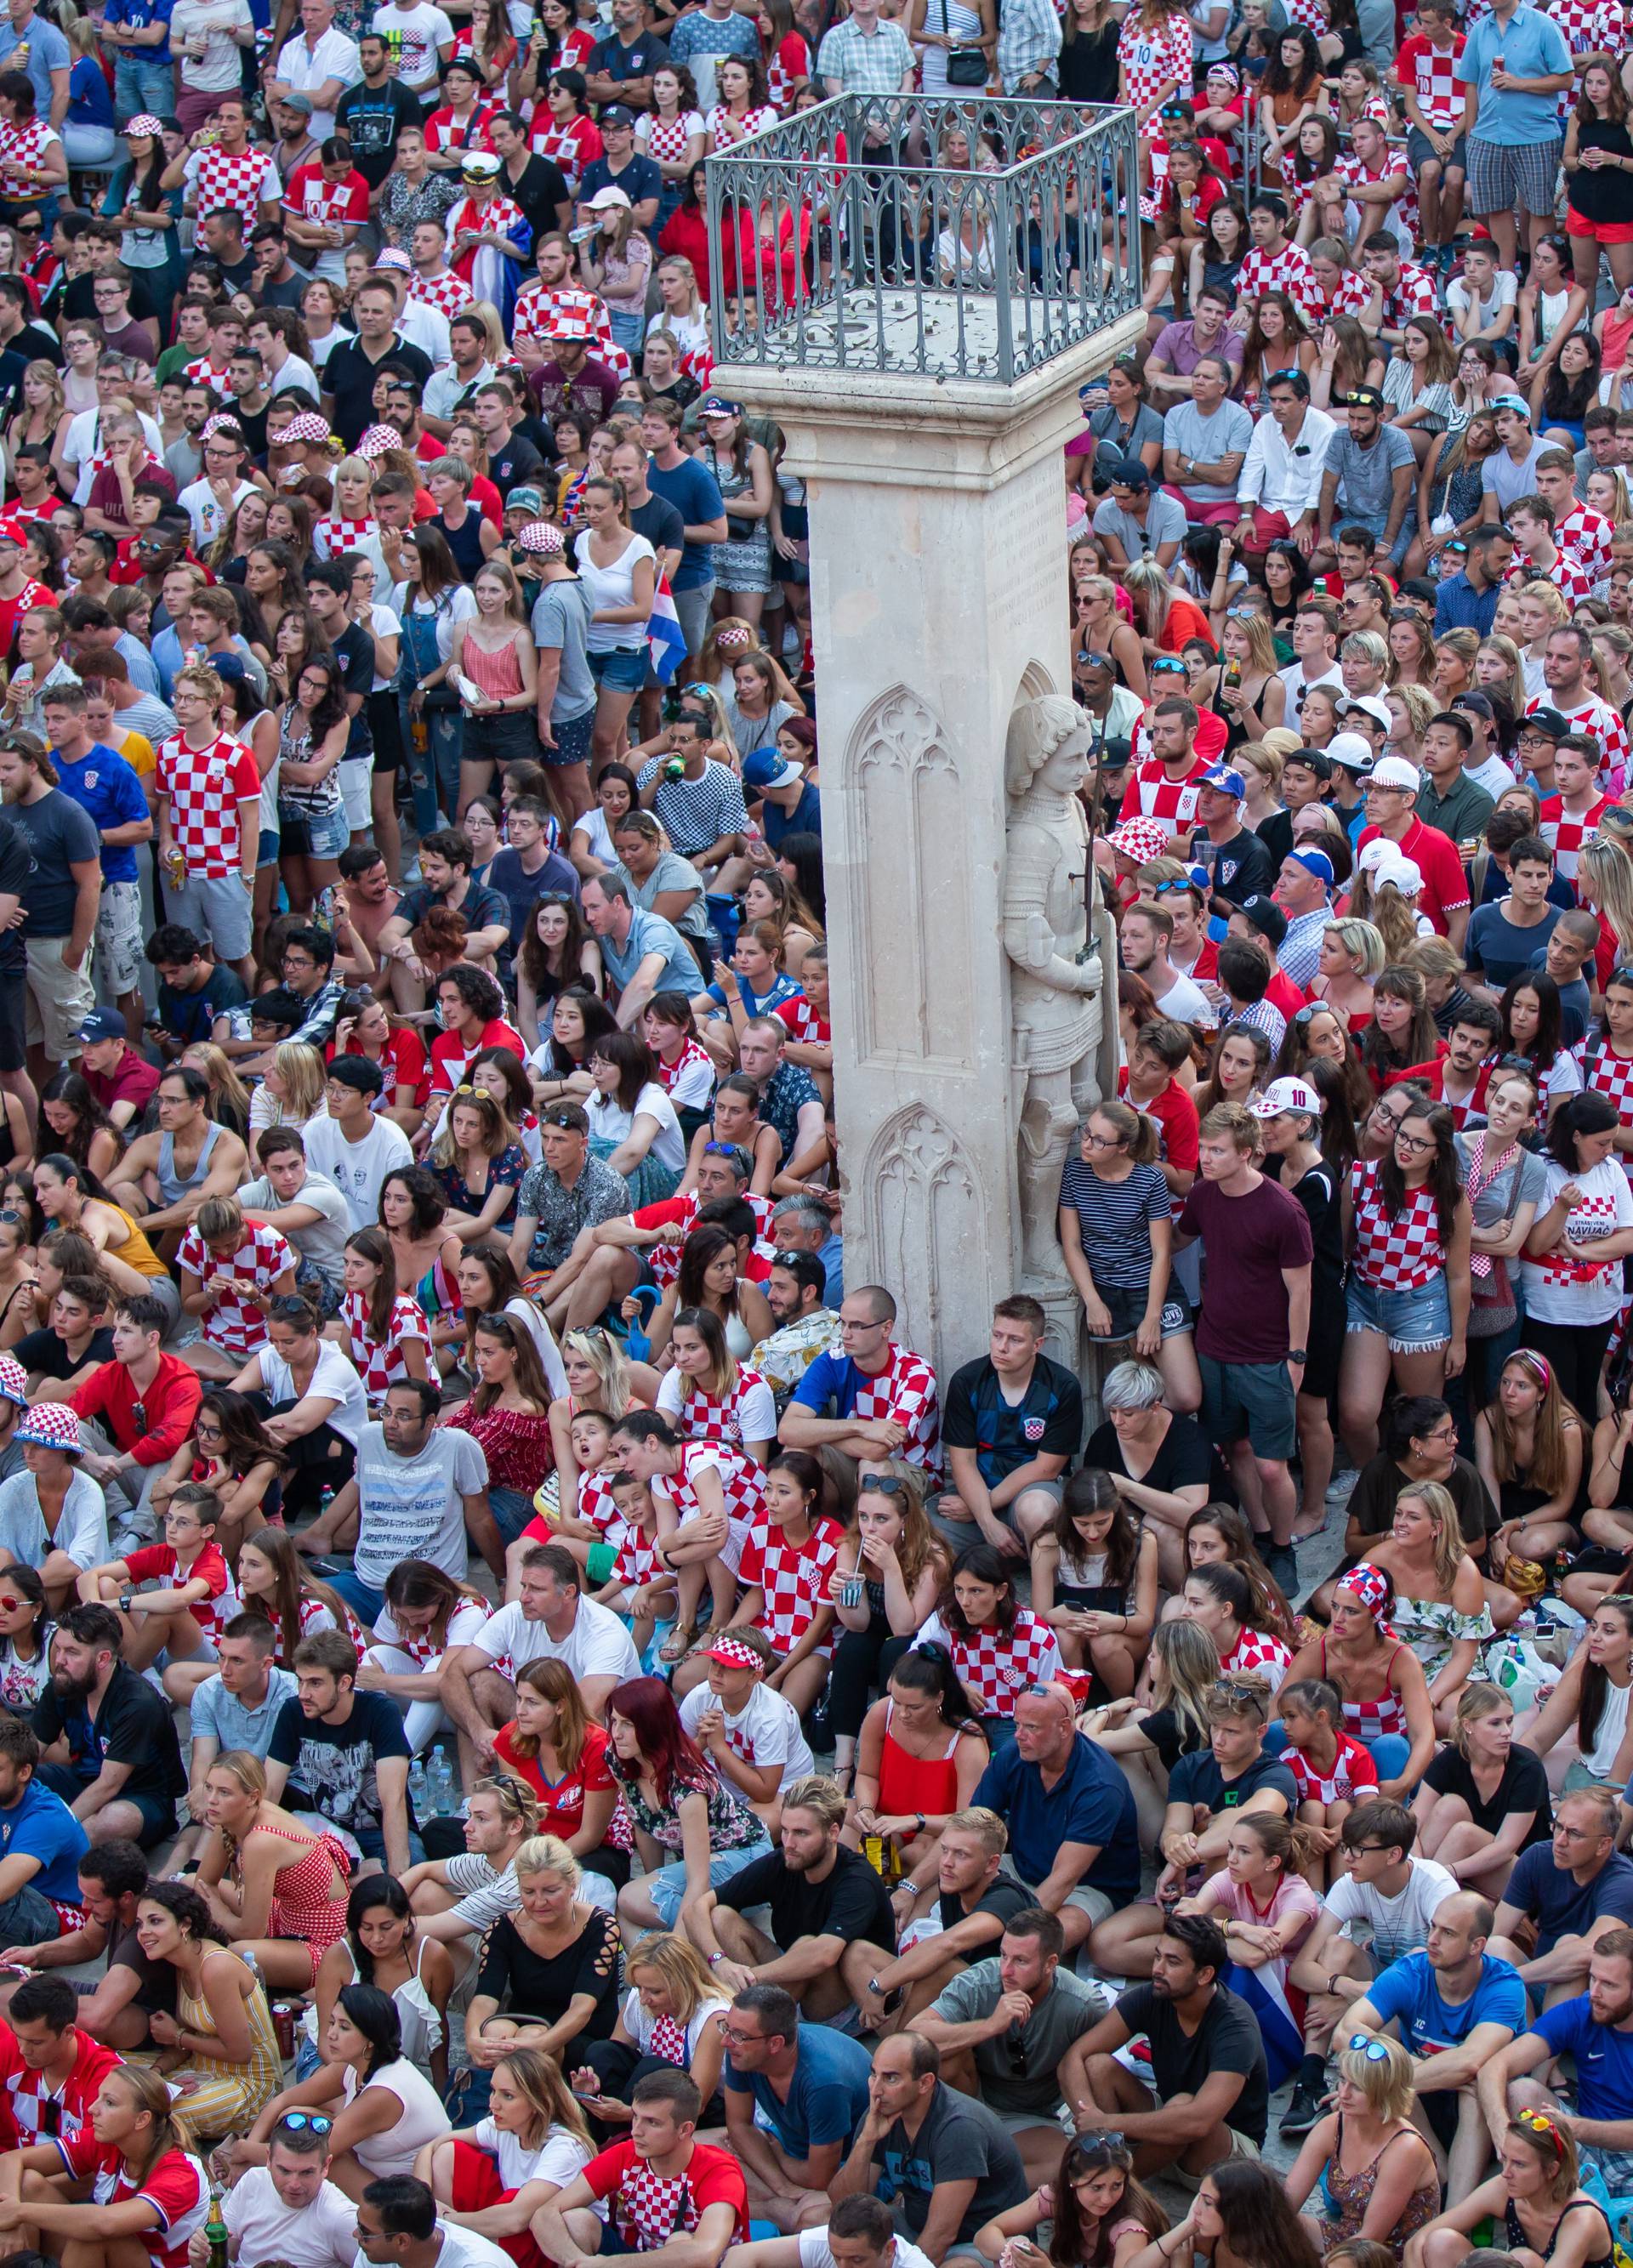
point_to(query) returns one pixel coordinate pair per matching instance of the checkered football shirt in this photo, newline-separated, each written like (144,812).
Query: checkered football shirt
(1565,833)
(1149,59)
(794,1578)
(740,1480)
(448,293)
(995,1668)
(244,181)
(236,1323)
(1397,1254)
(205,787)
(1433,75)
(1597,717)
(1565,575)
(379,1363)
(1287,271)
(1585,535)
(1606,1073)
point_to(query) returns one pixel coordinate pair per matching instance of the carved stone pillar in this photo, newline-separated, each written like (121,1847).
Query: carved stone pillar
(938,588)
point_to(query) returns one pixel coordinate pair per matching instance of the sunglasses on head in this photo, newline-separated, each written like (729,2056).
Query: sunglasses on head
(1375,2050)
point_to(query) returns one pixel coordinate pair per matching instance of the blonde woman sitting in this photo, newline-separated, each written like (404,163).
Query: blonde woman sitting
(493,2177)
(1440,1608)
(1377,2174)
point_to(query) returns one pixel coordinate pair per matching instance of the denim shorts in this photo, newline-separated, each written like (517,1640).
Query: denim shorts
(1413,1322)
(322,835)
(1127,1309)
(621,669)
(668,1886)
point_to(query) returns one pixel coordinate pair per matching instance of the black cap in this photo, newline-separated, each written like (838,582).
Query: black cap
(1546,721)
(1477,704)
(1266,917)
(616,114)
(1130,474)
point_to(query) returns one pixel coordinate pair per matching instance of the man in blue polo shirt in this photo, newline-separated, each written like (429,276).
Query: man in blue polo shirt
(104,786)
(1574,1888)
(42,1844)
(643,952)
(1074,1833)
(1595,2029)
(1014,1421)
(795,2095)
(1457,2006)
(1516,64)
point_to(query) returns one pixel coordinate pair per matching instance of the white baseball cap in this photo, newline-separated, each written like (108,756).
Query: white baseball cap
(1287,1094)
(1395,771)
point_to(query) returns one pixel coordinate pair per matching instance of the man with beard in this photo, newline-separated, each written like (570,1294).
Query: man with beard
(830,1915)
(109,1737)
(1209,2090)
(796,1293)
(1596,2027)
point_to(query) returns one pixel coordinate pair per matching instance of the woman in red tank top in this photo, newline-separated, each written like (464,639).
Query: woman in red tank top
(919,1760)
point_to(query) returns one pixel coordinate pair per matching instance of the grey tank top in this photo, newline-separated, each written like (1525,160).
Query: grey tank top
(172,1190)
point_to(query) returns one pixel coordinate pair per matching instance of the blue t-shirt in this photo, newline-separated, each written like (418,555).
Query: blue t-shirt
(1559,1905)
(104,786)
(136,15)
(804,819)
(641,178)
(89,101)
(691,488)
(1503,951)
(1091,1802)
(48,51)
(827,2100)
(651,933)
(1410,1989)
(1603,2052)
(40,1825)
(1532,46)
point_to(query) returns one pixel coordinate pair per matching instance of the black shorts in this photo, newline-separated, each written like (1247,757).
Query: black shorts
(385,725)
(13,1019)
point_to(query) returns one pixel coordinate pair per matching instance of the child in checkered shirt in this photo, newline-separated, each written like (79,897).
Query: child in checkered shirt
(1330,1768)
(643,1587)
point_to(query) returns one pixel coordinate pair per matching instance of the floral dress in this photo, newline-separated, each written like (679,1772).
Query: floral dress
(1432,1627)
(733,1826)
(505,1170)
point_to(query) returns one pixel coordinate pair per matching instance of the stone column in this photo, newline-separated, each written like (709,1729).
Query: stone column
(938,591)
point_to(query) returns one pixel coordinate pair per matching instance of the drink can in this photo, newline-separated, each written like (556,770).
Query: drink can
(284,2016)
(175,859)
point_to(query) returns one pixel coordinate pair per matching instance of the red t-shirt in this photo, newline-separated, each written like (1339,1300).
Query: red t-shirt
(449,1054)
(134,1082)
(1445,885)
(561,1803)
(158,1562)
(177,2189)
(647,2210)
(1177,1122)
(1282,993)
(26,2090)
(409,1064)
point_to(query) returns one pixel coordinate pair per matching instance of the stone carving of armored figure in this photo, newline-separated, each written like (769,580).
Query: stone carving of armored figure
(1055,980)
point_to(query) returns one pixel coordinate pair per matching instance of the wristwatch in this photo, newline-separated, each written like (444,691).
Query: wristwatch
(1299,1354)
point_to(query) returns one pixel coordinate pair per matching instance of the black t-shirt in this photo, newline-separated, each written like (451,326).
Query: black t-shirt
(1197,1778)
(959,2140)
(78,301)
(133,1726)
(46,1353)
(334,1764)
(372,117)
(354,650)
(17,863)
(1523,1787)
(1047,1421)
(851,1903)
(253,425)
(1161,1728)
(659,523)
(516,465)
(1227,2039)
(1381,1482)
(1239,869)
(538,193)
(1003,1898)
(1186,1459)
(349,378)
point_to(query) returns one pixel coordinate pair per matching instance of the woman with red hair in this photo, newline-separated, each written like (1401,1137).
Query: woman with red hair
(692,1829)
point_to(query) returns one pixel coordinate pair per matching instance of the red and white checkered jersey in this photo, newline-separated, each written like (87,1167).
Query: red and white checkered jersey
(246,181)
(1416,292)
(595,1502)
(27,2093)
(664,1259)
(1310,16)
(1154,793)
(205,787)
(1605,723)
(649,2209)
(1586,534)
(794,1578)
(639,1560)
(1565,575)
(1258,1653)
(158,1563)
(538,306)
(746,1410)
(1287,271)
(1565,833)
(448,293)
(1433,75)
(1397,1254)
(1590,26)
(1149,59)
(720,121)
(741,1480)
(204,372)
(178,2190)
(905,1389)
(309,197)
(995,1665)
(1354,1776)
(332,537)
(1353,296)
(444,131)
(381,1363)
(236,1323)
(1349,168)
(423,1647)
(1606,1073)
(572,147)
(693,1067)
(21,146)
(667,140)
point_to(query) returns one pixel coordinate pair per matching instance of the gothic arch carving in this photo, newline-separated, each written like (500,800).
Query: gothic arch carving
(1036,681)
(926,1226)
(905,787)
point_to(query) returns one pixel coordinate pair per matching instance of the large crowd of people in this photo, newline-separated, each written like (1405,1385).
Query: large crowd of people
(534,1722)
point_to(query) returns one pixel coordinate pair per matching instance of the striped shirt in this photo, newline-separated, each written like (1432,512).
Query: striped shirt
(1113,1220)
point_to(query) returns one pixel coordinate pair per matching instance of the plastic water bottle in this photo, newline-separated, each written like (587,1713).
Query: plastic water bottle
(441,1776)
(419,1790)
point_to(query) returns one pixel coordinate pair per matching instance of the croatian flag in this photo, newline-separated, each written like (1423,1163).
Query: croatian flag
(665,641)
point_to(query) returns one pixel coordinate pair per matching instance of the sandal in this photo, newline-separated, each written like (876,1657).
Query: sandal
(679,1643)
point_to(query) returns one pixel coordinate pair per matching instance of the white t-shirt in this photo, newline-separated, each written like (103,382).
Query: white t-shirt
(415,35)
(1185,1003)
(323,2234)
(458,606)
(334,1379)
(560,2157)
(814,2252)
(357,1169)
(217,72)
(411,1507)
(1400,1924)
(767,1732)
(461,2248)
(203,507)
(295,374)
(612,586)
(538,1328)
(1554,1295)
(640,2026)
(597,1645)
(84,439)
(609,1122)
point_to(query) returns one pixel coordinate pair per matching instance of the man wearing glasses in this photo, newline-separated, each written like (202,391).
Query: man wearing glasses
(288,2209)
(1396,1896)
